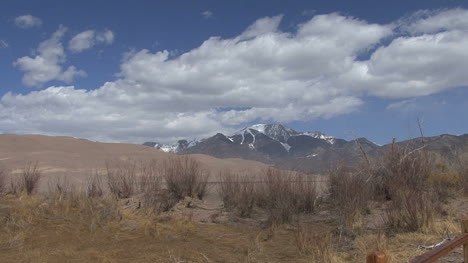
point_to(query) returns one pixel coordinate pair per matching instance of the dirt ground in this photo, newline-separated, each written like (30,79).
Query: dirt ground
(35,230)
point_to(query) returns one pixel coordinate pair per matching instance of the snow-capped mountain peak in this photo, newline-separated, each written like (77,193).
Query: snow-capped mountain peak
(320,135)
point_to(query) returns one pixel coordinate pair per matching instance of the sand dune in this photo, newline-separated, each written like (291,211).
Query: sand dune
(77,158)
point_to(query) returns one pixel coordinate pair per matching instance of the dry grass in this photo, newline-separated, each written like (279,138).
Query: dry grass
(349,193)
(3,177)
(238,193)
(94,186)
(285,195)
(121,178)
(61,187)
(84,229)
(282,195)
(315,243)
(73,226)
(184,176)
(27,181)
(410,211)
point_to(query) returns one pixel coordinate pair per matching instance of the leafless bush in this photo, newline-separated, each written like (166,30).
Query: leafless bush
(285,194)
(3,175)
(29,178)
(149,177)
(314,243)
(404,167)
(184,176)
(349,192)
(60,187)
(238,192)
(406,179)
(94,186)
(121,178)
(410,210)
(155,199)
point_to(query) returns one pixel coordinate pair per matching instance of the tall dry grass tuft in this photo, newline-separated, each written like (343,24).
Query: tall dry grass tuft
(238,192)
(94,186)
(445,181)
(3,176)
(60,188)
(121,178)
(281,194)
(315,244)
(284,195)
(349,193)
(410,211)
(184,176)
(27,181)
(154,198)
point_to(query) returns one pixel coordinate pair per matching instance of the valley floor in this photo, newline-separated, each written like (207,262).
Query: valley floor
(56,229)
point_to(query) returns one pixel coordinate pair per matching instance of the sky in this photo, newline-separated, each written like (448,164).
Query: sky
(136,71)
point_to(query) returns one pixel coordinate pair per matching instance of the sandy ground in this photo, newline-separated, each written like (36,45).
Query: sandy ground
(77,158)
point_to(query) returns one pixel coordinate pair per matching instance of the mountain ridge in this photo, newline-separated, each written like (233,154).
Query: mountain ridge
(285,148)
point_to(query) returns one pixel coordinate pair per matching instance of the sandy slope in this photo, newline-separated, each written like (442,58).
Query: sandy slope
(78,157)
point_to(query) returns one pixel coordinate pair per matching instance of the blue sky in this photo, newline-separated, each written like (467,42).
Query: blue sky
(151,70)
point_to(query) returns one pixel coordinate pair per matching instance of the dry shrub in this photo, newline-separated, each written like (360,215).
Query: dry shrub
(404,168)
(282,194)
(121,178)
(149,179)
(316,244)
(238,193)
(61,187)
(27,181)
(349,192)
(285,194)
(405,177)
(445,181)
(3,175)
(94,186)
(155,199)
(184,176)
(410,210)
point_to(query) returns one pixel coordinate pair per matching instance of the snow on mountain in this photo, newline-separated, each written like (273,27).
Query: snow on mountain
(277,132)
(320,135)
(166,148)
(175,148)
(281,133)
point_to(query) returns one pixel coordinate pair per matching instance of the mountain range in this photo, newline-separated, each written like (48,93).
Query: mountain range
(285,148)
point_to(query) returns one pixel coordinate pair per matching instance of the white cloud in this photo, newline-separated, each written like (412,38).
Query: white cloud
(87,39)
(261,26)
(207,14)
(46,65)
(431,61)
(27,21)
(3,44)
(261,74)
(403,105)
(435,21)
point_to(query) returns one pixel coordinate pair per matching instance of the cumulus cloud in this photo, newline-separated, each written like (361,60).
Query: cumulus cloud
(27,21)
(46,65)
(262,74)
(207,14)
(87,39)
